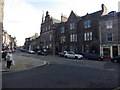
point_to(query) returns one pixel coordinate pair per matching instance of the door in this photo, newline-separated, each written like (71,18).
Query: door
(115,51)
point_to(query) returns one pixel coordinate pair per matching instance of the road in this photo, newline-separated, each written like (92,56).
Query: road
(65,73)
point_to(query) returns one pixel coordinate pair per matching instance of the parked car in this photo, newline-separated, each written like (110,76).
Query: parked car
(22,50)
(116,59)
(71,54)
(61,54)
(81,53)
(93,56)
(41,53)
(31,51)
(47,50)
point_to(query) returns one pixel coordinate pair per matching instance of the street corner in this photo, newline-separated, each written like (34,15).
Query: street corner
(21,67)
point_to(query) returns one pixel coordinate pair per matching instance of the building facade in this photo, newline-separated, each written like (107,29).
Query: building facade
(1,22)
(32,43)
(110,34)
(61,35)
(47,34)
(97,32)
(8,42)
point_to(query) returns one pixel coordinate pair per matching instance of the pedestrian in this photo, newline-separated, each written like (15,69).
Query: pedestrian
(9,59)
(4,53)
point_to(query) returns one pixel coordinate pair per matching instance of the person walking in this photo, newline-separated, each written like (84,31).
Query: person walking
(9,58)
(4,55)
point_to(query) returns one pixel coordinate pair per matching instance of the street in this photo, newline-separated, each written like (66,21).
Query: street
(64,73)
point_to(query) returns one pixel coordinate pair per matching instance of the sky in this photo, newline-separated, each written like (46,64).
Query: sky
(22,18)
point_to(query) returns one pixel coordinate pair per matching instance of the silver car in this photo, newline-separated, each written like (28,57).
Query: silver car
(71,54)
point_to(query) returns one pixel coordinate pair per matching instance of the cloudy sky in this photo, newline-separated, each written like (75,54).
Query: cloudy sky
(22,18)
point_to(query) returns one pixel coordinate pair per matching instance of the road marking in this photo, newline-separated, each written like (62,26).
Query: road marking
(110,69)
(118,88)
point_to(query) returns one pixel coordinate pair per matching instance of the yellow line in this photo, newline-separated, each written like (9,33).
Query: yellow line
(118,88)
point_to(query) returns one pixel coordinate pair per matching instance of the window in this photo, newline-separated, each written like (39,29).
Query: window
(46,29)
(63,30)
(87,24)
(50,37)
(63,39)
(109,24)
(49,27)
(85,36)
(73,38)
(88,36)
(109,37)
(72,25)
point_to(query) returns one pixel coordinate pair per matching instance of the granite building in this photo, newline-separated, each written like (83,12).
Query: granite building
(1,22)
(110,34)
(47,34)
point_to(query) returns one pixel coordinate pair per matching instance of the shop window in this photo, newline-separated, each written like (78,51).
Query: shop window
(106,51)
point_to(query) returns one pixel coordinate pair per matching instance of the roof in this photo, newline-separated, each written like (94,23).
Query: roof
(55,20)
(96,14)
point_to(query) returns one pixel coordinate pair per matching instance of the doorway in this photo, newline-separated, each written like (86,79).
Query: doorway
(115,51)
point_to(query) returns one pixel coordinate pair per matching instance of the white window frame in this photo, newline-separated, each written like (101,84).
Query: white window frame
(91,35)
(85,37)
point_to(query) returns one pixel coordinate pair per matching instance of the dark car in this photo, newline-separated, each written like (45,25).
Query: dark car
(62,53)
(93,56)
(116,59)
(81,53)
(42,53)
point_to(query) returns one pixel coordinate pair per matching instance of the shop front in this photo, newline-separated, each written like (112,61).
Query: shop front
(109,51)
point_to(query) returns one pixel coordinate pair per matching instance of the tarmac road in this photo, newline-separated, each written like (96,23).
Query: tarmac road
(65,73)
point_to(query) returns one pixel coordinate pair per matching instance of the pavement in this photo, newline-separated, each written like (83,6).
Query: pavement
(22,63)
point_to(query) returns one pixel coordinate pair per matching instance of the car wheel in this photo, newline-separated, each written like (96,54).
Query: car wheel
(115,60)
(76,57)
(65,56)
(80,58)
(99,59)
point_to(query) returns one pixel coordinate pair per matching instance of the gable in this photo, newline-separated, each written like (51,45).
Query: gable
(72,16)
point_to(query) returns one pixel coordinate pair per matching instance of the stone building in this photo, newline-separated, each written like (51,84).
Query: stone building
(8,42)
(31,43)
(61,35)
(88,33)
(73,32)
(110,34)
(1,21)
(90,30)
(80,34)
(47,34)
